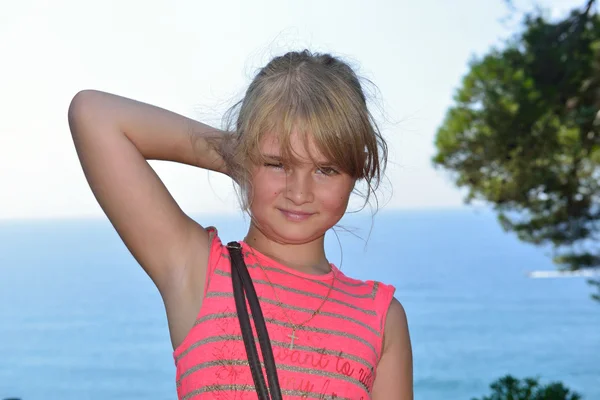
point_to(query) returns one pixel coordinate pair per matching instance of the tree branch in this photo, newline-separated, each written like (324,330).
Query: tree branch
(588,7)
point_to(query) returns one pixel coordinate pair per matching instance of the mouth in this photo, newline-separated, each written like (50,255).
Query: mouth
(296,215)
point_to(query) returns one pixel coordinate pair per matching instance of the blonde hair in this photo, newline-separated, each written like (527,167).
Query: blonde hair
(310,94)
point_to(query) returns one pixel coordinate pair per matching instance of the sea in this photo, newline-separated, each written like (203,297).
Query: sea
(80,320)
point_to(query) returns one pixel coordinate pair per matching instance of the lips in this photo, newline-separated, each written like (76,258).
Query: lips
(296,215)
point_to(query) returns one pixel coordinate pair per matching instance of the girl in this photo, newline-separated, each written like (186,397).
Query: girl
(303,137)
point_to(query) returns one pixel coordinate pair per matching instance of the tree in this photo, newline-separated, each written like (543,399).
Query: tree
(510,388)
(523,135)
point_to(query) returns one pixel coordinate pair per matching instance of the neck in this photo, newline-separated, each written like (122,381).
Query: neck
(307,257)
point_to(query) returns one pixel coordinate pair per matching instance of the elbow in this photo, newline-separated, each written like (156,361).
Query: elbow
(81,109)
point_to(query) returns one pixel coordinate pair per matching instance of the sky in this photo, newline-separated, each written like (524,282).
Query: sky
(197,57)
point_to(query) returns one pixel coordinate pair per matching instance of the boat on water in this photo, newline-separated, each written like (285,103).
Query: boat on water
(583,273)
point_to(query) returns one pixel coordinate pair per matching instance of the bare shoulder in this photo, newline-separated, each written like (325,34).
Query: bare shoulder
(396,322)
(394,376)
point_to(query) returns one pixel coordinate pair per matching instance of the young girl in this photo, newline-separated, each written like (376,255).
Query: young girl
(303,137)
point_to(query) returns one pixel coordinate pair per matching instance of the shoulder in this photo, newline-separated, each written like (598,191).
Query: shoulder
(396,324)
(379,293)
(395,368)
(375,286)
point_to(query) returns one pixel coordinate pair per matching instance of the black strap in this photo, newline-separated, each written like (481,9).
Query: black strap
(242,289)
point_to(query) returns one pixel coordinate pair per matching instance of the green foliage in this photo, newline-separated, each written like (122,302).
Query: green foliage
(510,388)
(524,135)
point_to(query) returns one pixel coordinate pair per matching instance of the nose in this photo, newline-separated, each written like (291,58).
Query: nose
(299,188)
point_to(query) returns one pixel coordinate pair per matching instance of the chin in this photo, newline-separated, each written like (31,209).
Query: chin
(294,235)
(286,232)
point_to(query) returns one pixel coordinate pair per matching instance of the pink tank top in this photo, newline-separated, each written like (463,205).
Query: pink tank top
(333,356)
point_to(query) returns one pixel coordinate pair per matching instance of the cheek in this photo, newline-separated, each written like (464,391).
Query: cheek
(336,198)
(266,188)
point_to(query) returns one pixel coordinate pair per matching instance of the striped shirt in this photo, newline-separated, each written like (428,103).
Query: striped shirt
(334,355)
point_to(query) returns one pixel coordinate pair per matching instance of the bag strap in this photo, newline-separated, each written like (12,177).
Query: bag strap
(243,288)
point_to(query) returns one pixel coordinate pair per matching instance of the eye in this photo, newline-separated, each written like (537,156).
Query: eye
(275,165)
(328,171)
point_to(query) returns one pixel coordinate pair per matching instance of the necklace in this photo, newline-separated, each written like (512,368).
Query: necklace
(296,327)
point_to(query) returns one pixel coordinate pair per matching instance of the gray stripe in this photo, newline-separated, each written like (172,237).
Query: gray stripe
(277,343)
(324,284)
(306,310)
(283,367)
(251,388)
(319,372)
(216,363)
(210,339)
(302,292)
(318,282)
(288,325)
(255,265)
(325,331)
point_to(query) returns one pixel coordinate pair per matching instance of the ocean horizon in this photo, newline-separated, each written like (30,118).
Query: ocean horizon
(81,320)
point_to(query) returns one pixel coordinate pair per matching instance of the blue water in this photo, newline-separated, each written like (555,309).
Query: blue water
(80,320)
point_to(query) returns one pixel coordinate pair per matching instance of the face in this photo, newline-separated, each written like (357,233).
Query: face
(296,204)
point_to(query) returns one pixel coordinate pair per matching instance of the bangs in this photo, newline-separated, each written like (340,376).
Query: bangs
(310,109)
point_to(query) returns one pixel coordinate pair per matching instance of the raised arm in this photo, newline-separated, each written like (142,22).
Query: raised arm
(114,137)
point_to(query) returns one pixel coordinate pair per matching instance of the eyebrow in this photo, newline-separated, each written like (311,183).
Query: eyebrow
(272,156)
